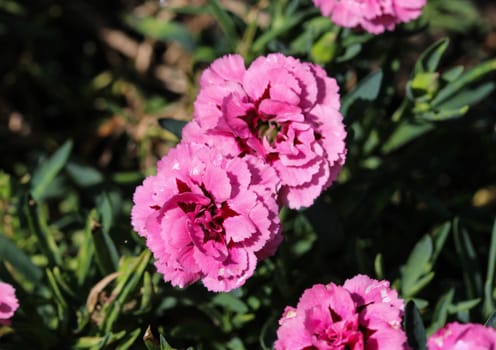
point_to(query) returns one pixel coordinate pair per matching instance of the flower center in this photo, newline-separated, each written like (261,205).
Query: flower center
(207,214)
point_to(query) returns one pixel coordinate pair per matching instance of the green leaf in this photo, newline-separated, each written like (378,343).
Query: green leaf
(230,302)
(324,49)
(61,303)
(225,22)
(262,41)
(84,176)
(468,97)
(417,270)
(106,255)
(491,321)
(405,132)
(367,89)
(19,260)
(37,224)
(453,73)
(146,300)
(129,340)
(414,327)
(445,114)
(463,306)
(470,76)
(99,342)
(104,208)
(159,29)
(439,236)
(87,249)
(350,52)
(488,306)
(265,332)
(48,170)
(441,311)
(430,58)
(173,125)
(379,266)
(130,273)
(468,261)
(164,345)
(313,29)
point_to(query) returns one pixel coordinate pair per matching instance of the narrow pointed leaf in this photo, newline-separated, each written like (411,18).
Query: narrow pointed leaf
(87,249)
(48,170)
(491,321)
(471,75)
(416,272)
(414,326)
(468,259)
(225,22)
(489,306)
(367,89)
(430,58)
(37,224)
(19,260)
(441,312)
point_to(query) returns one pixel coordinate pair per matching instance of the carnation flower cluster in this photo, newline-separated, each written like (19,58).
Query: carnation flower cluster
(374,16)
(261,137)
(362,314)
(365,314)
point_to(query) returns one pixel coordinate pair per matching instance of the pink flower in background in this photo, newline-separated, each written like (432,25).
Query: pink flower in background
(362,314)
(374,16)
(280,110)
(8,302)
(380,312)
(457,336)
(208,217)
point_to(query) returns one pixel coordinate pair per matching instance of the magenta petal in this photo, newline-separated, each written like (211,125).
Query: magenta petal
(227,68)
(232,273)
(8,301)
(239,228)
(281,110)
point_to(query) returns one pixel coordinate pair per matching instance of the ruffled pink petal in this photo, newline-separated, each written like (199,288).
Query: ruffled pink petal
(239,228)
(232,273)
(227,68)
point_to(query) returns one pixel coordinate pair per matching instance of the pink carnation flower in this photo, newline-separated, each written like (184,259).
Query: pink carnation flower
(456,336)
(362,314)
(8,302)
(375,16)
(279,109)
(208,217)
